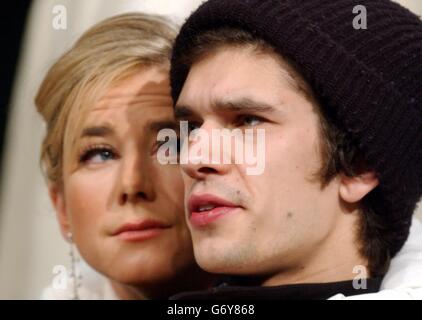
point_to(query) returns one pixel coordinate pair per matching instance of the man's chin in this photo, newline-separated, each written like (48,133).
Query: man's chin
(214,259)
(214,267)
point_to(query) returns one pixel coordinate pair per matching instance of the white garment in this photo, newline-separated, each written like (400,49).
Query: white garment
(403,280)
(103,291)
(94,287)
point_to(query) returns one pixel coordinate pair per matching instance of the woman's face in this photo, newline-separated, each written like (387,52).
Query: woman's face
(125,209)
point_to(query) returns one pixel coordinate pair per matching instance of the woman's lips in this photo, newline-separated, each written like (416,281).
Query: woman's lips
(207,208)
(140,230)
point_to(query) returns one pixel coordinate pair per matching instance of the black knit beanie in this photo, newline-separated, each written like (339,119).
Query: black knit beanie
(370,80)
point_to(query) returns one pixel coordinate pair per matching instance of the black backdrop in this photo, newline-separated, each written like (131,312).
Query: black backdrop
(13,16)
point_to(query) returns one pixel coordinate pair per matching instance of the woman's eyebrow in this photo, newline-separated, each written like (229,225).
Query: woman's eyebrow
(97,131)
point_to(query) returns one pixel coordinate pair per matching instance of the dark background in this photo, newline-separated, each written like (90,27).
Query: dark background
(12,26)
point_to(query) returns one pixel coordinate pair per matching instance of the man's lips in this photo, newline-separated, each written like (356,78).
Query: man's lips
(206,208)
(140,230)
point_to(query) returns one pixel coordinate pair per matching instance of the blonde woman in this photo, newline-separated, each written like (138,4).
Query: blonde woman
(103,103)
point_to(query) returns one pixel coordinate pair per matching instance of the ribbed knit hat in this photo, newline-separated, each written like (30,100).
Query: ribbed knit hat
(370,80)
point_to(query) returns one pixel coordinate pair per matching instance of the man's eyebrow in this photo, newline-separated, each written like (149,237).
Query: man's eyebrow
(233,105)
(97,131)
(242,105)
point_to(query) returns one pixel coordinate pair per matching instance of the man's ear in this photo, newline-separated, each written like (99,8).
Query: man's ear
(57,198)
(353,189)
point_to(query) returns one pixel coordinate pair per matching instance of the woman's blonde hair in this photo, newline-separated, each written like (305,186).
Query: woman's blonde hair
(108,52)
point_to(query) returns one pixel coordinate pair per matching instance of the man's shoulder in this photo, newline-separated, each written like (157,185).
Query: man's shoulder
(403,280)
(406,267)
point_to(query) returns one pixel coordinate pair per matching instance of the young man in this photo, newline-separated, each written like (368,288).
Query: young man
(340,104)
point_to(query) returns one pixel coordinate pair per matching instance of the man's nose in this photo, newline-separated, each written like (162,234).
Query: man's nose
(204,156)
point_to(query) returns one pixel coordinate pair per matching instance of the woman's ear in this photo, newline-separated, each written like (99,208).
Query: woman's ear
(353,189)
(57,198)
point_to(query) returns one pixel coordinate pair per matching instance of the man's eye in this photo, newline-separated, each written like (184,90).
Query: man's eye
(249,120)
(193,125)
(97,155)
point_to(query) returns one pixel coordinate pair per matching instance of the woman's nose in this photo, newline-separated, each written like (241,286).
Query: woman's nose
(136,183)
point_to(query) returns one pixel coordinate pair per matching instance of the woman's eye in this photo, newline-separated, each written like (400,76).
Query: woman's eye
(249,120)
(98,155)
